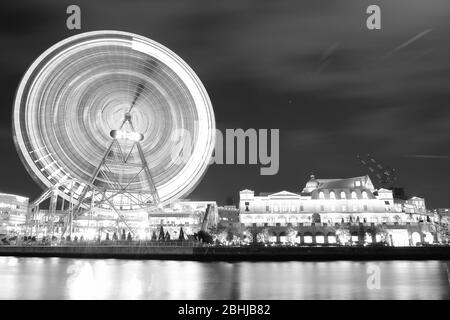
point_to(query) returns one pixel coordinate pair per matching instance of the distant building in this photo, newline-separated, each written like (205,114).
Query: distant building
(228,215)
(442,212)
(333,202)
(182,213)
(13,212)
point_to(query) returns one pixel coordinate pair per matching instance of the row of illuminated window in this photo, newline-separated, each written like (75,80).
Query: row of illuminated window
(343,208)
(343,195)
(9,205)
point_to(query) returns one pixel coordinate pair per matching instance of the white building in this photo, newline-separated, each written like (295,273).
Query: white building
(13,212)
(330,201)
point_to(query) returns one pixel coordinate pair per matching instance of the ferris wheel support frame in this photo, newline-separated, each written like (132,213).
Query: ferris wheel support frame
(73,213)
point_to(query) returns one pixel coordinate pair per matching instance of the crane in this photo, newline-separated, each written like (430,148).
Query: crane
(385,175)
(203,234)
(205,218)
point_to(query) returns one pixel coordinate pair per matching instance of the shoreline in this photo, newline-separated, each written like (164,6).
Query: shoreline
(213,253)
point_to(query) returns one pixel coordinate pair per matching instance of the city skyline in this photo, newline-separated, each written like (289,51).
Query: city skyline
(334,89)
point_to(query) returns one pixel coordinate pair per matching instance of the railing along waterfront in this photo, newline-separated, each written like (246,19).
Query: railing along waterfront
(111,243)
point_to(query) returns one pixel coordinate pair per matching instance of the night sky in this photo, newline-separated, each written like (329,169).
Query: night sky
(309,68)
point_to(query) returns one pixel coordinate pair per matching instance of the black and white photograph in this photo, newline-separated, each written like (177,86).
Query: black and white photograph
(206,154)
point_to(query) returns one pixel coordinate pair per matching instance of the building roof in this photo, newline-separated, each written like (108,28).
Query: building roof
(348,183)
(361,182)
(283,194)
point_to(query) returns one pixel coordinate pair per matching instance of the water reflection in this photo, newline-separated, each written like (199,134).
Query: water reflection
(57,278)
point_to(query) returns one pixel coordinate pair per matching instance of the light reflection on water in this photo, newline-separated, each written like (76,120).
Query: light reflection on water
(58,278)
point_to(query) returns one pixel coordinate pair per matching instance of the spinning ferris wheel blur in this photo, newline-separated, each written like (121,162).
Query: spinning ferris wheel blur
(97,119)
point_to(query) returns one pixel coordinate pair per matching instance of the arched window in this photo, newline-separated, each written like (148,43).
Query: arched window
(354,195)
(364,195)
(343,195)
(321,195)
(332,195)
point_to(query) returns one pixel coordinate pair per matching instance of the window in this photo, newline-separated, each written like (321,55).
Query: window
(344,208)
(267,208)
(364,195)
(301,208)
(320,239)
(321,195)
(354,195)
(365,207)
(332,195)
(357,183)
(343,195)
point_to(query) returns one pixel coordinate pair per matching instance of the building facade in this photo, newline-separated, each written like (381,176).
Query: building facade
(324,205)
(182,213)
(13,213)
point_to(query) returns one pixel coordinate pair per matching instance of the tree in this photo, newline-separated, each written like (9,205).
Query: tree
(154,237)
(230,235)
(129,238)
(381,230)
(291,234)
(107,237)
(247,236)
(343,234)
(263,236)
(124,236)
(204,237)
(368,237)
(181,236)
(115,237)
(167,235)
(443,233)
(221,236)
(161,233)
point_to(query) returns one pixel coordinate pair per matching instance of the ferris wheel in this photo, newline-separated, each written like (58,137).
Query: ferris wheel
(113,119)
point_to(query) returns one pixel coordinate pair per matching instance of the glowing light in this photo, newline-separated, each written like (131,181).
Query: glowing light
(127,135)
(320,239)
(103,75)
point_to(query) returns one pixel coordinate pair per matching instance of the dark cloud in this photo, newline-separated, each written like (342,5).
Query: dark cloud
(309,68)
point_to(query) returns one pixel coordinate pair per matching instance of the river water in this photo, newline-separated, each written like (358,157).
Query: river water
(60,278)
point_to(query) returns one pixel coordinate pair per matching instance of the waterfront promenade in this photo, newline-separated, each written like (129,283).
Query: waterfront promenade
(191,250)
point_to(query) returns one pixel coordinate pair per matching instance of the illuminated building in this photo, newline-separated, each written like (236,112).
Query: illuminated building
(182,213)
(13,212)
(228,215)
(324,205)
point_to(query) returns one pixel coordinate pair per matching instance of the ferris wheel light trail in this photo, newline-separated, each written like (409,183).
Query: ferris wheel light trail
(92,89)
